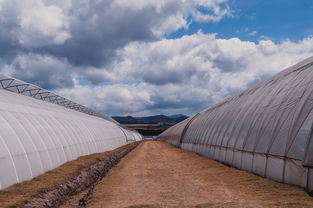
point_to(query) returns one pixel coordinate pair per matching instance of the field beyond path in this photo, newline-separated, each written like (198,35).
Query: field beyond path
(157,174)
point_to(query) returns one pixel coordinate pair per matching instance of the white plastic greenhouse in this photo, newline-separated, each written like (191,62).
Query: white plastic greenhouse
(40,130)
(266,129)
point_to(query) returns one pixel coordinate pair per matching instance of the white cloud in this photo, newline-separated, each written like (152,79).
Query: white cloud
(42,25)
(139,4)
(214,12)
(253,33)
(193,72)
(173,14)
(201,55)
(89,32)
(116,99)
(57,43)
(46,22)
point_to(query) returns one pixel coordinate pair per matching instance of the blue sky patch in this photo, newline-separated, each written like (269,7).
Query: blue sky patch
(276,20)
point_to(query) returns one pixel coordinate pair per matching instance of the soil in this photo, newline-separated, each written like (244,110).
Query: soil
(157,174)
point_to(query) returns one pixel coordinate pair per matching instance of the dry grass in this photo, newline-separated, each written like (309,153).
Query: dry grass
(21,193)
(267,192)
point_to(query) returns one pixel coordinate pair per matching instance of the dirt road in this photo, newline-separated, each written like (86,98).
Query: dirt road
(156,174)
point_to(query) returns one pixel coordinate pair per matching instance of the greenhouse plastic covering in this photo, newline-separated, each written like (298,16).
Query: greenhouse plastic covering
(40,131)
(266,129)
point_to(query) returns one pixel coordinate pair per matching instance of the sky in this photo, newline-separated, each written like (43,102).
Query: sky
(144,57)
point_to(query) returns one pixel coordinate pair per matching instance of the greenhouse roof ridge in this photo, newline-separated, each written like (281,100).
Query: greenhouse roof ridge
(31,90)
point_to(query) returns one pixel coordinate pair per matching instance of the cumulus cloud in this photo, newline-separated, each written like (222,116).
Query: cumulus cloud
(118,48)
(86,34)
(210,10)
(44,71)
(42,25)
(89,32)
(34,23)
(173,14)
(137,99)
(201,56)
(191,73)
(117,99)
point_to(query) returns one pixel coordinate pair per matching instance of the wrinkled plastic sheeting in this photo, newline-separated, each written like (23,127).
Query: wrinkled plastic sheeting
(266,129)
(37,136)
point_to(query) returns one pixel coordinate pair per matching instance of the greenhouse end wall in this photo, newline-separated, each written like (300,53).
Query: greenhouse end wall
(37,136)
(266,129)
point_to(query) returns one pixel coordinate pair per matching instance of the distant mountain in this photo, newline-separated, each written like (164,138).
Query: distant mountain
(125,120)
(150,119)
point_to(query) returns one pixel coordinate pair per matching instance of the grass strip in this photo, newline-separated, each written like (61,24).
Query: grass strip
(21,193)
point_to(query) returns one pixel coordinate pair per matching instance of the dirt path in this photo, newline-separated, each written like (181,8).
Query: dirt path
(156,174)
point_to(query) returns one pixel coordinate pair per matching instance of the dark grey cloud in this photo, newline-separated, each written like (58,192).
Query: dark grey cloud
(97,31)
(86,34)
(44,71)
(9,45)
(226,64)
(193,105)
(56,44)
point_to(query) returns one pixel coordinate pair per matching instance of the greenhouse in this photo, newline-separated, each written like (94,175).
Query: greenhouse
(40,130)
(266,129)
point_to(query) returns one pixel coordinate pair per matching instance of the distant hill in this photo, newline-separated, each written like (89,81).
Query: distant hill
(150,119)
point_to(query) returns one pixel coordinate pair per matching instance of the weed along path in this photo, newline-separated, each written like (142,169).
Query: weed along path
(156,174)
